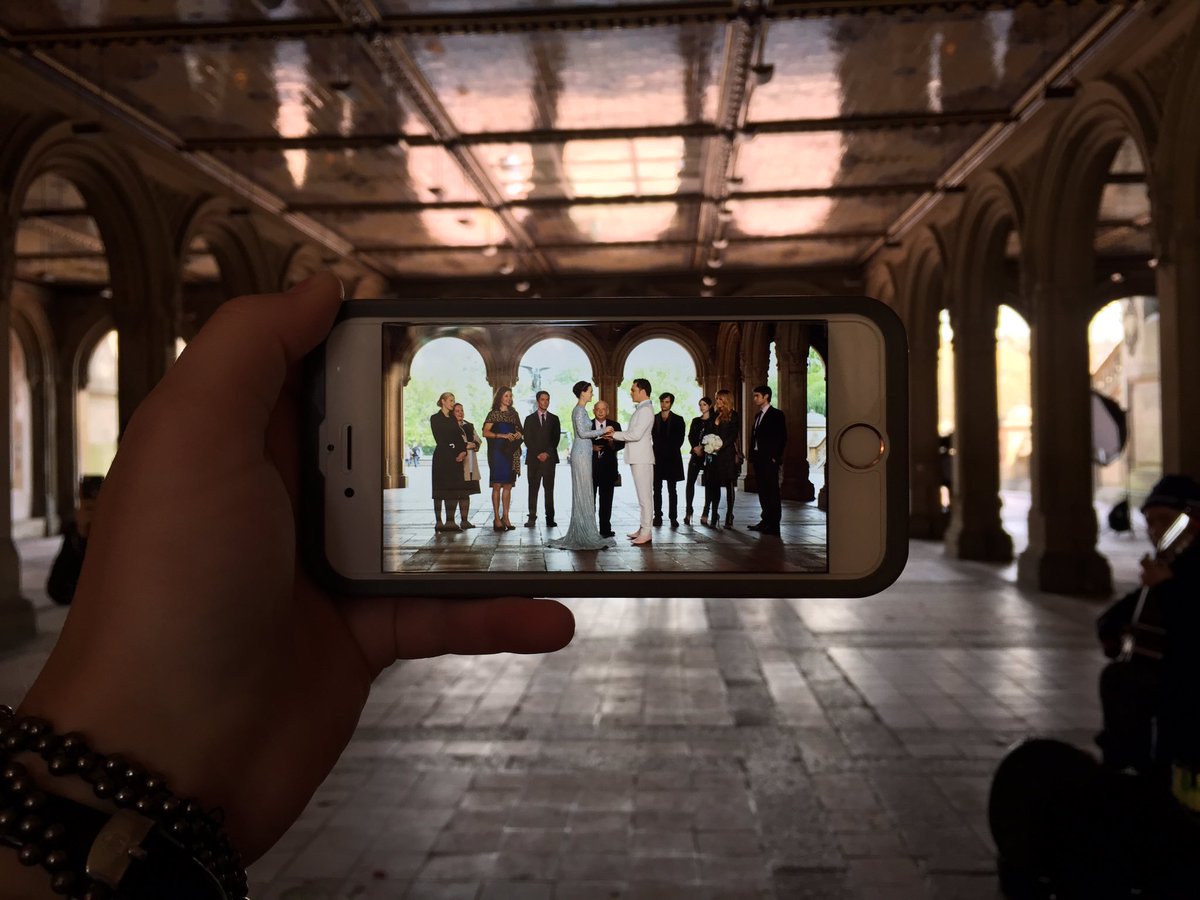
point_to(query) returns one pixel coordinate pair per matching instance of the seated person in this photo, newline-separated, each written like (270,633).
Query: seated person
(1146,694)
(64,572)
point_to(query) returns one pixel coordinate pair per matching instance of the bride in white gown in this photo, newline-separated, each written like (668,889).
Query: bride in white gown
(582,534)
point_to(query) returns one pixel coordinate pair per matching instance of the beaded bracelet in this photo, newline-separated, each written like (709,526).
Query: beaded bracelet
(113,779)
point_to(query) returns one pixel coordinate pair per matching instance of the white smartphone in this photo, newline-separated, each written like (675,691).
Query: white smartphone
(455,448)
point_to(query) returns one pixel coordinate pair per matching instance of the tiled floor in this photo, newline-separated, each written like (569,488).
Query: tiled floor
(696,749)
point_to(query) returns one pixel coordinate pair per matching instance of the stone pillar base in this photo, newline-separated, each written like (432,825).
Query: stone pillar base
(1080,573)
(928,526)
(987,544)
(798,488)
(18,623)
(823,500)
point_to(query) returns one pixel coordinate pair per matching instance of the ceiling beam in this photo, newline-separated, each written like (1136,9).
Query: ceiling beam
(809,237)
(367,141)
(400,70)
(500,21)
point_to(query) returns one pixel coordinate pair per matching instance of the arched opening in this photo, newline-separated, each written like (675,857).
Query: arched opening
(945,404)
(669,368)
(58,242)
(1015,416)
(21,432)
(1123,336)
(1123,351)
(443,364)
(553,365)
(96,409)
(818,438)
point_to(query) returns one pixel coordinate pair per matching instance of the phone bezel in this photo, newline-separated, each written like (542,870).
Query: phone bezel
(887,367)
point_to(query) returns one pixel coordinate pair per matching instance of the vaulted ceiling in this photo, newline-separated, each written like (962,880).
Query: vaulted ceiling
(470,138)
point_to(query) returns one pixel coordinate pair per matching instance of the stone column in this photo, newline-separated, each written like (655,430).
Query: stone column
(975,531)
(1178,277)
(750,378)
(65,473)
(17,619)
(145,350)
(1061,557)
(791,352)
(395,452)
(927,519)
(606,390)
(44,448)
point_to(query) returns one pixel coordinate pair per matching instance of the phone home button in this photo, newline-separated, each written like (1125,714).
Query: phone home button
(861,446)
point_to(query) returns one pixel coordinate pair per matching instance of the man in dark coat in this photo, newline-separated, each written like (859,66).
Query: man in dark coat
(667,435)
(604,467)
(542,434)
(1150,697)
(768,437)
(67,565)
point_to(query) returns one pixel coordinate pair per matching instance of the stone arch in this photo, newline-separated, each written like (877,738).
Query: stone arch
(302,261)
(727,357)
(1180,138)
(925,289)
(581,338)
(420,335)
(118,198)
(233,240)
(881,283)
(28,320)
(993,209)
(1059,237)
(682,335)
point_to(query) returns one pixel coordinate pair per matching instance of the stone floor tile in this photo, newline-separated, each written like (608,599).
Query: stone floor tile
(812,749)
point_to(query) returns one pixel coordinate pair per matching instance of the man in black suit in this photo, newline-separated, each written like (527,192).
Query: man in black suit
(768,437)
(542,433)
(604,467)
(667,435)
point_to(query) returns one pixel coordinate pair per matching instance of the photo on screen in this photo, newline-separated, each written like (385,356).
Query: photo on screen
(492,464)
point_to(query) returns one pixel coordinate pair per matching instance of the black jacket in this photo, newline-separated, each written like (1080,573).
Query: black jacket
(604,463)
(769,438)
(542,438)
(668,437)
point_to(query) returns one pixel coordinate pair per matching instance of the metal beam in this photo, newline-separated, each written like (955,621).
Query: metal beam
(834,236)
(367,141)
(501,21)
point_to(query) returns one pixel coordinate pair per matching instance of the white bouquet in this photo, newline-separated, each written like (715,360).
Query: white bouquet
(711,443)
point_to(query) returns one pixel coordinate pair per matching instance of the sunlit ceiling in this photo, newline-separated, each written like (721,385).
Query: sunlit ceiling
(477,138)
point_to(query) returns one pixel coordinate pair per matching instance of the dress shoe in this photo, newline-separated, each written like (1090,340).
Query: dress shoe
(530,523)
(657,521)
(757,526)
(687,520)
(550,523)
(767,529)
(674,523)
(608,534)
(642,539)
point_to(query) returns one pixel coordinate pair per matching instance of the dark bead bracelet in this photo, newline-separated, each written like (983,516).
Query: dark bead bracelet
(127,785)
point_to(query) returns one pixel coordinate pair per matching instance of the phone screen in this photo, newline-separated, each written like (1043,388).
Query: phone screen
(492,464)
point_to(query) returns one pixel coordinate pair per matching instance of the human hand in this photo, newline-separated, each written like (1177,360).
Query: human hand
(196,644)
(1155,572)
(698,450)
(542,457)
(461,456)
(609,430)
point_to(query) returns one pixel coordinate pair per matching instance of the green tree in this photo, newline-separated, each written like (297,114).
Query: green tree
(816,382)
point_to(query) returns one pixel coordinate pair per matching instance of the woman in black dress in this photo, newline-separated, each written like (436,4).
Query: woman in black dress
(448,454)
(696,458)
(721,468)
(470,465)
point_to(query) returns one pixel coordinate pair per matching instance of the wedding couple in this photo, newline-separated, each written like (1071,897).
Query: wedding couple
(582,533)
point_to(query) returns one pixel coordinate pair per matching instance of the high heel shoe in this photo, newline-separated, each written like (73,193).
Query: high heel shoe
(729,521)
(687,519)
(703,519)
(498,526)
(508,526)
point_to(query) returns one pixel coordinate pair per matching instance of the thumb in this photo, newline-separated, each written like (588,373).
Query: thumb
(231,375)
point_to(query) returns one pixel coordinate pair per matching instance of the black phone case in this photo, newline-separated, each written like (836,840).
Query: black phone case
(621,584)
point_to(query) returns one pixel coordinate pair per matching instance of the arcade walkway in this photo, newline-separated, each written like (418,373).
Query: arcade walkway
(696,749)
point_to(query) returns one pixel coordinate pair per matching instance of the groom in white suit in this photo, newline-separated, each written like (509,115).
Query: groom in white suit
(639,453)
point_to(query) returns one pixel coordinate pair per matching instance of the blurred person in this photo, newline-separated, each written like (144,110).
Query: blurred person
(542,435)
(721,469)
(502,428)
(696,459)
(470,460)
(768,438)
(639,455)
(449,447)
(667,435)
(605,475)
(68,562)
(581,530)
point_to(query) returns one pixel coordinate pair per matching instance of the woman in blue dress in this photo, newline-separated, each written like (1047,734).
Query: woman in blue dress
(502,428)
(582,534)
